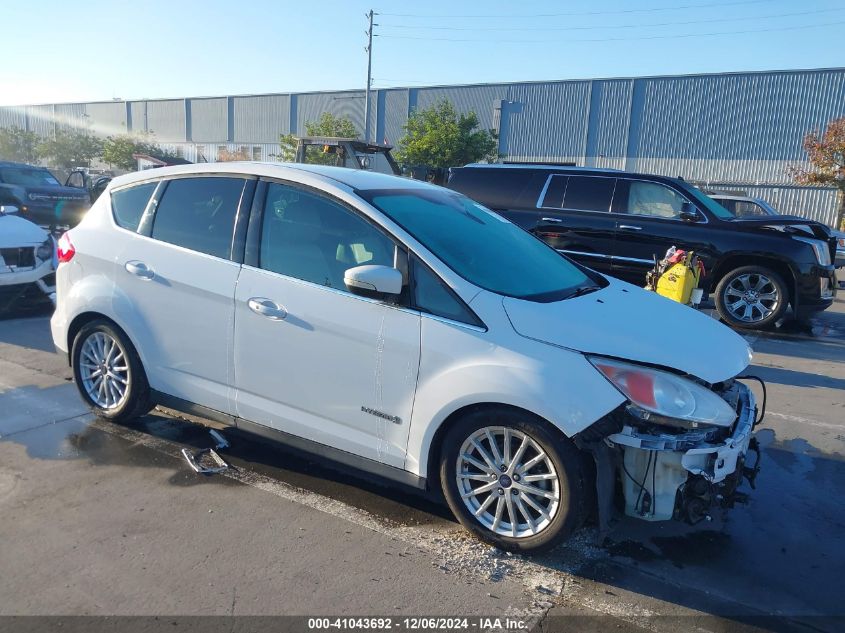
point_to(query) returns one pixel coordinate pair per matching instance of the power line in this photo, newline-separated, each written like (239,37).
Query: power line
(610,39)
(597,27)
(577,13)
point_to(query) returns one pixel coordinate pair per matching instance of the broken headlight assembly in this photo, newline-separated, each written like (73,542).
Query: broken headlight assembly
(661,397)
(45,251)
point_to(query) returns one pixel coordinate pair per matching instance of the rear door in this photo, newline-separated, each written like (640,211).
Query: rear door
(575,218)
(648,223)
(179,274)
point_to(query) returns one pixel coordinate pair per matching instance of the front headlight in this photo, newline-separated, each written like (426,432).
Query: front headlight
(819,248)
(45,251)
(660,394)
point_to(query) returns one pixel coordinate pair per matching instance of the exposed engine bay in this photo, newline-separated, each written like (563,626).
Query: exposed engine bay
(668,469)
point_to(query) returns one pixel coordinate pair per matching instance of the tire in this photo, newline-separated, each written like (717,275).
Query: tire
(751,297)
(562,463)
(91,347)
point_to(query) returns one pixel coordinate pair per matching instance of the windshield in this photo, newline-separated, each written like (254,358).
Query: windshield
(710,204)
(481,246)
(27,177)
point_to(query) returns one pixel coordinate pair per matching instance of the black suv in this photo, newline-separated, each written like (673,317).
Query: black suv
(618,222)
(40,197)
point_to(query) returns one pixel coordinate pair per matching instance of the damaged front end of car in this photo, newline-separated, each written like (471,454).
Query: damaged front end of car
(676,449)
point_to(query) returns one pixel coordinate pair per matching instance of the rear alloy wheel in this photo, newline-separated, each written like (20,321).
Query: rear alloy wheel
(512,481)
(108,372)
(751,297)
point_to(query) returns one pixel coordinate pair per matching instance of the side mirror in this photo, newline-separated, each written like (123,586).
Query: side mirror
(7,209)
(376,282)
(689,213)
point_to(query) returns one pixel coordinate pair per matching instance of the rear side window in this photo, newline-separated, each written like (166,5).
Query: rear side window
(199,214)
(497,188)
(128,204)
(589,193)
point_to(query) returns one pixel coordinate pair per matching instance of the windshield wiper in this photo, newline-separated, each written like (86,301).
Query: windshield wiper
(580,291)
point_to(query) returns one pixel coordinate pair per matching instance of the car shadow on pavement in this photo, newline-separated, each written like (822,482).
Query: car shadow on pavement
(794,378)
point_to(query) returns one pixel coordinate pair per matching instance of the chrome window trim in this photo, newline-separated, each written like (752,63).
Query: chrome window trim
(583,253)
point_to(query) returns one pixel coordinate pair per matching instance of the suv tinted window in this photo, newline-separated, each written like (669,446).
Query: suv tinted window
(312,238)
(199,213)
(128,204)
(497,188)
(433,296)
(589,193)
(28,177)
(640,197)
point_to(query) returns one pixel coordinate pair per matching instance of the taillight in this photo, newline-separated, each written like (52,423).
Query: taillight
(65,249)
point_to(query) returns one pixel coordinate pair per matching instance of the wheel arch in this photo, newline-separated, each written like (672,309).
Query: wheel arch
(83,318)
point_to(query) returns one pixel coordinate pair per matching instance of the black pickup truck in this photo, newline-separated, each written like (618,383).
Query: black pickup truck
(618,222)
(41,198)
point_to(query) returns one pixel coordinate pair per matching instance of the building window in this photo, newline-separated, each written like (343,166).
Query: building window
(256,152)
(221,152)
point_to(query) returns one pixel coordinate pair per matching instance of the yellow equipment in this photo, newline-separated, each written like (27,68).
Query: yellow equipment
(676,277)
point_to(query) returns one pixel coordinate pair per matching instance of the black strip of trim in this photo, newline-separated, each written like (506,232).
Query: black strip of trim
(236,253)
(322,450)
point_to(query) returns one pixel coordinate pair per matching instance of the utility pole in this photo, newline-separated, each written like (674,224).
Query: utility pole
(369,49)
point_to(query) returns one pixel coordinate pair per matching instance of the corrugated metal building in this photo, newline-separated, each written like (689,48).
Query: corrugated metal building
(733,131)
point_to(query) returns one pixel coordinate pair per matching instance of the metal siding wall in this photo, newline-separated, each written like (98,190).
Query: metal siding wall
(71,116)
(40,119)
(261,119)
(478,99)
(612,122)
(166,119)
(548,121)
(740,128)
(137,109)
(395,115)
(12,117)
(107,119)
(341,104)
(209,119)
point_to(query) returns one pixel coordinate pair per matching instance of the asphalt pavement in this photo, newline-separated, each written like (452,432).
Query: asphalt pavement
(105,519)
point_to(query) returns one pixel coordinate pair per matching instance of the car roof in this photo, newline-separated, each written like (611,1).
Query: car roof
(574,168)
(353,178)
(9,163)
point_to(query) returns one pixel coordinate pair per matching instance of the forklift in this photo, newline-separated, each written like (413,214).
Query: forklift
(346,152)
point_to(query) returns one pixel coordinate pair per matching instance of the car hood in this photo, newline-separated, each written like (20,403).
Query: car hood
(16,232)
(627,322)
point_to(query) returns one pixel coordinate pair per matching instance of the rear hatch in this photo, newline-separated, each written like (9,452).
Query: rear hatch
(54,196)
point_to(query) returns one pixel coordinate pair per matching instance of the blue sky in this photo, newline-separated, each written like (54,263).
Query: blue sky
(102,49)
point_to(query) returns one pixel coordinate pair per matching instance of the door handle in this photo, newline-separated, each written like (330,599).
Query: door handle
(267,308)
(630,227)
(139,269)
(555,220)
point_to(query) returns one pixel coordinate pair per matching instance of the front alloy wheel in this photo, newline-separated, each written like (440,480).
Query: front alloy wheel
(507,481)
(751,297)
(512,479)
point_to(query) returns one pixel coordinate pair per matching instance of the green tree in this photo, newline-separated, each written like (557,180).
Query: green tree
(826,155)
(441,137)
(18,145)
(71,148)
(118,150)
(327,125)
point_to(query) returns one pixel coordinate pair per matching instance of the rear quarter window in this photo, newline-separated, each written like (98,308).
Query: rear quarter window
(128,204)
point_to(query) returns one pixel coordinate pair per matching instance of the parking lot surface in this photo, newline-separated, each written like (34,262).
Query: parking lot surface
(105,519)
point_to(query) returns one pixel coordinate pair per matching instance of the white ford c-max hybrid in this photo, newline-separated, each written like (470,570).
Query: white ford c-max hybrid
(406,330)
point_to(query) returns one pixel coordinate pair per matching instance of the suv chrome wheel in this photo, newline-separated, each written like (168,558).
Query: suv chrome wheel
(507,482)
(751,297)
(104,370)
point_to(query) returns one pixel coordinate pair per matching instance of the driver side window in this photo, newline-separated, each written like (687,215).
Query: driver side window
(312,238)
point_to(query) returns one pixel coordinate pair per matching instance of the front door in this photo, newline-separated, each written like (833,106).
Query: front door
(575,218)
(648,223)
(310,358)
